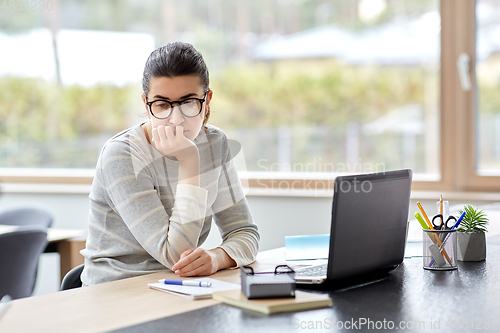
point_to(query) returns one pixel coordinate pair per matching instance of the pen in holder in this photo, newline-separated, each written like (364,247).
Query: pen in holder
(439,255)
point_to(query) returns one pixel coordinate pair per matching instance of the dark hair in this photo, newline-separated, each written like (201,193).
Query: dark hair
(176,59)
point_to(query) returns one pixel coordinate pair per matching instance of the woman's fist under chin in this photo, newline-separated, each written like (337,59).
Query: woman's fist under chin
(171,141)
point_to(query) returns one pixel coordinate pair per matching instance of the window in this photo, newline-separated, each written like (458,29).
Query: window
(310,88)
(471,161)
(358,91)
(488,87)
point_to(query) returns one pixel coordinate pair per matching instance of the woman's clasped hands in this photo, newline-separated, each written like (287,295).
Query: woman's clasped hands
(201,262)
(196,262)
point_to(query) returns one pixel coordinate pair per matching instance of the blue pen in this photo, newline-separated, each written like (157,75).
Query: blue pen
(459,220)
(452,228)
(190,283)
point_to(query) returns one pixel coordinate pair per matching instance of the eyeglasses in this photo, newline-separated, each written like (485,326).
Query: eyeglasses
(190,107)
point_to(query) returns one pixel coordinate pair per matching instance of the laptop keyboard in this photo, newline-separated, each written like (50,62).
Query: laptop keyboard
(312,271)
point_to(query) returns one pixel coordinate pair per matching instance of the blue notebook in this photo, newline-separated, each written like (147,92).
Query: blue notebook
(307,247)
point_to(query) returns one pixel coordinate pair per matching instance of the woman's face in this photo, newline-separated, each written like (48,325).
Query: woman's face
(178,88)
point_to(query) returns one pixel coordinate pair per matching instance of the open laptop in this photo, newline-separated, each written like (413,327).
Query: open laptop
(368,228)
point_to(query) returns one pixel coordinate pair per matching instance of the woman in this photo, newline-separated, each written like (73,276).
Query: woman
(159,184)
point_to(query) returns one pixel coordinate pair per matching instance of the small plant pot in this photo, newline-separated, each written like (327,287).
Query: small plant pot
(471,246)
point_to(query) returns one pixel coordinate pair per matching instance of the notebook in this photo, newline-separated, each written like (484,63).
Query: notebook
(368,227)
(301,301)
(196,292)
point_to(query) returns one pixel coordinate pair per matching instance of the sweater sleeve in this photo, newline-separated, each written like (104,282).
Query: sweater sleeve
(128,178)
(240,235)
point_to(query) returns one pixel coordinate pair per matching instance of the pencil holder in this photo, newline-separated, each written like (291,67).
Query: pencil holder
(439,249)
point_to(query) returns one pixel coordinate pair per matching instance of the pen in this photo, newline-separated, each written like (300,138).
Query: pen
(191,283)
(459,220)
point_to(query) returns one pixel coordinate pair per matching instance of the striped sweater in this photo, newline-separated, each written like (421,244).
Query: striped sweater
(141,219)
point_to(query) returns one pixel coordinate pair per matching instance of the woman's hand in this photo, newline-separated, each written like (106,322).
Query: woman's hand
(200,262)
(171,142)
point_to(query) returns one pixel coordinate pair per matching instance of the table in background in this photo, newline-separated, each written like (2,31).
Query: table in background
(66,242)
(408,294)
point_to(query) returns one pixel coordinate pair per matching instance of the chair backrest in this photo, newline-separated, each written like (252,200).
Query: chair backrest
(19,253)
(26,216)
(72,278)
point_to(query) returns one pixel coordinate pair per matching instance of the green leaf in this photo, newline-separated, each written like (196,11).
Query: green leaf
(475,220)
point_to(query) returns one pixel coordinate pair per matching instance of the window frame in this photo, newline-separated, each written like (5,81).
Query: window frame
(467,105)
(458,107)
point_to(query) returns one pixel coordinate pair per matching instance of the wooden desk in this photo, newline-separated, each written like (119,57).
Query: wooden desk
(109,305)
(66,242)
(410,293)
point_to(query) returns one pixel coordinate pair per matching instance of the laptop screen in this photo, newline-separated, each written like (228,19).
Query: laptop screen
(369,220)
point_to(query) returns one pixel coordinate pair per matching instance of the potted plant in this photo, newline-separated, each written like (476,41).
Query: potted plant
(471,239)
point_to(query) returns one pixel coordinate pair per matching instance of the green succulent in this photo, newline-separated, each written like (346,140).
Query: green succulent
(475,220)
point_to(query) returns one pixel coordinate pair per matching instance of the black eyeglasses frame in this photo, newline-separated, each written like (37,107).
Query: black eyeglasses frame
(201,100)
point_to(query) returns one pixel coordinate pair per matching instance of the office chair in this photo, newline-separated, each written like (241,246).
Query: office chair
(72,278)
(19,253)
(26,216)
